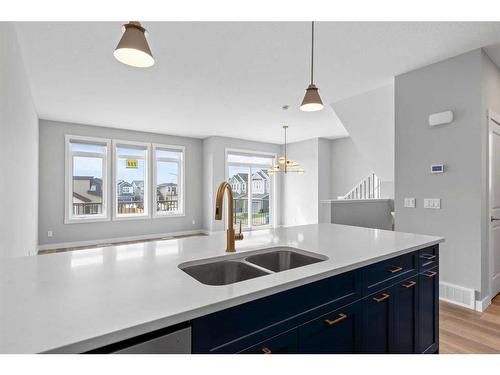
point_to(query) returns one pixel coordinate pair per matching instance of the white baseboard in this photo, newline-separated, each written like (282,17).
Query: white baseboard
(62,245)
(481,305)
(457,295)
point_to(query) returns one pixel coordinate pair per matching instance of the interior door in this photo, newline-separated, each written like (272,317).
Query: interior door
(494,261)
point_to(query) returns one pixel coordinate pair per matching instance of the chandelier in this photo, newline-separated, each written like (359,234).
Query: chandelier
(285,165)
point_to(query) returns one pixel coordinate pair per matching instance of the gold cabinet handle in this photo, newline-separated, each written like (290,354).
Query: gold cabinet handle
(428,256)
(382,298)
(336,320)
(411,284)
(430,274)
(395,269)
(266,350)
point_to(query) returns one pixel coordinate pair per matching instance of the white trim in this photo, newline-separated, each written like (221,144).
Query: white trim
(103,241)
(483,304)
(68,174)
(181,193)
(146,146)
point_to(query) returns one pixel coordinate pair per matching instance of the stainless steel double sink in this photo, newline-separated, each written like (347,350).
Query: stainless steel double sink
(239,267)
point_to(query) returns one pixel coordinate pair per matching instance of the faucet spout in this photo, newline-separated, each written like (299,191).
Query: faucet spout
(219,201)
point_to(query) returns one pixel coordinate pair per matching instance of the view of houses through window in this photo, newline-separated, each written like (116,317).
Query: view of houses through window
(88,166)
(131,180)
(252,189)
(87,180)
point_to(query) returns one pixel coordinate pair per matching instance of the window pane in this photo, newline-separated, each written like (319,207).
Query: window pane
(130,182)
(261,190)
(171,154)
(167,187)
(250,159)
(238,179)
(85,147)
(132,151)
(87,186)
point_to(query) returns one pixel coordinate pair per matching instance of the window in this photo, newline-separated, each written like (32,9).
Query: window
(168,178)
(87,171)
(253,193)
(131,187)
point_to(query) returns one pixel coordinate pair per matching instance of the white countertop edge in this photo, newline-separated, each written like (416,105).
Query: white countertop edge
(130,332)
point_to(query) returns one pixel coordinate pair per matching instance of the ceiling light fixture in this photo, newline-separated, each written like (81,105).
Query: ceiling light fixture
(285,165)
(312,101)
(133,48)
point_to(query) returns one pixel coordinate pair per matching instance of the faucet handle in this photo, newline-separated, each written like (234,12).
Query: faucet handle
(239,236)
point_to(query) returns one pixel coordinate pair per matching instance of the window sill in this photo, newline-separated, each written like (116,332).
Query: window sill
(86,220)
(166,216)
(135,217)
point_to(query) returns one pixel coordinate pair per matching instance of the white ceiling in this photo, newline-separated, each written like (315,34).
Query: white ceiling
(228,79)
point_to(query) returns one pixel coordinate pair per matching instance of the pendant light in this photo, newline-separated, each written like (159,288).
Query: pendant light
(285,165)
(312,101)
(133,48)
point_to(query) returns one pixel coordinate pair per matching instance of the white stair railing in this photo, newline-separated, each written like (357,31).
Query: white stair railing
(367,188)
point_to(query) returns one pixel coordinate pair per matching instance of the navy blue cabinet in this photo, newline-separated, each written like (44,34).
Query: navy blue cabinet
(388,307)
(377,325)
(428,325)
(405,316)
(285,343)
(336,332)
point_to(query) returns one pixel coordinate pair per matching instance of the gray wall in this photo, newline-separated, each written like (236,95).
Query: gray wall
(453,84)
(18,152)
(347,167)
(51,206)
(300,192)
(214,164)
(367,213)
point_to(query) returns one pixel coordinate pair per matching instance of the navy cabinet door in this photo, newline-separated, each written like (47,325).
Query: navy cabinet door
(284,343)
(333,333)
(405,316)
(428,308)
(377,329)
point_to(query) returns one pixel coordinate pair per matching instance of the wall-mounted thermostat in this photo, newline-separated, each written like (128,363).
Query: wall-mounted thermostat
(437,168)
(441,118)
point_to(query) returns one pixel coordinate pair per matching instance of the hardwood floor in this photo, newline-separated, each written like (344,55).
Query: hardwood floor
(464,331)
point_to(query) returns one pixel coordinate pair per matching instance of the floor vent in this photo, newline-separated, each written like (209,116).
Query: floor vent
(456,294)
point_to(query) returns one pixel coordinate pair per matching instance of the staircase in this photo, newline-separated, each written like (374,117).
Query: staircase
(367,188)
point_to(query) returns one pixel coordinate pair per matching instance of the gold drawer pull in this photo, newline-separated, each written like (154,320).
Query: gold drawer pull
(382,298)
(266,350)
(428,256)
(395,269)
(337,320)
(411,284)
(430,274)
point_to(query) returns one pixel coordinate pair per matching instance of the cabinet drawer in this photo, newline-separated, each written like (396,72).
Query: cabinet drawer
(239,327)
(428,258)
(285,343)
(338,332)
(383,274)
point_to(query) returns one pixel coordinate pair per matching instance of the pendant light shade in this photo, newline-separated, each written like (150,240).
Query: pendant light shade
(312,101)
(133,48)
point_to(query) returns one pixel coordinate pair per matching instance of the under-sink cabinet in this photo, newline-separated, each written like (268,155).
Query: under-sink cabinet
(387,307)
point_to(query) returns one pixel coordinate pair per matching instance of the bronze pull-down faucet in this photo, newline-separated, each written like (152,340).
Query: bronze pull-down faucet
(219,201)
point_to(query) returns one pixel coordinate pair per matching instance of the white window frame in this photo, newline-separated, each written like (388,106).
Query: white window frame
(273,188)
(180,179)
(147,190)
(69,218)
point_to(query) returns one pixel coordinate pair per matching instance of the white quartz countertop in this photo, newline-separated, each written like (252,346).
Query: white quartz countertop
(81,300)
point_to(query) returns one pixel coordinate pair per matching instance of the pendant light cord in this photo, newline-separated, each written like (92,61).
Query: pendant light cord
(285,148)
(312,51)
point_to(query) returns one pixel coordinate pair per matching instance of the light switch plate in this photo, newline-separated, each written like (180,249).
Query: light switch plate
(410,202)
(434,203)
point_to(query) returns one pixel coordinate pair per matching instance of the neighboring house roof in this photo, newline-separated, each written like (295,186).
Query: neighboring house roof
(167,184)
(124,183)
(81,197)
(138,183)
